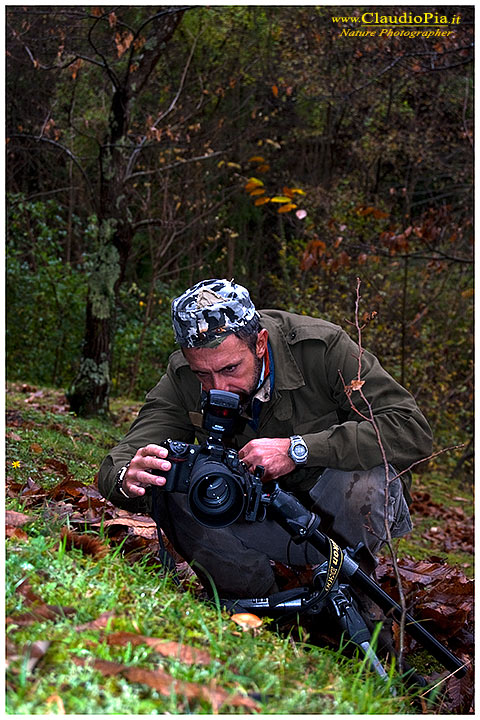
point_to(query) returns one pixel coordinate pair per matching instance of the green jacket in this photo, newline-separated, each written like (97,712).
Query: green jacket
(308,399)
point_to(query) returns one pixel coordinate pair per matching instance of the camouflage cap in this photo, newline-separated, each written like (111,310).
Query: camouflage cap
(209,311)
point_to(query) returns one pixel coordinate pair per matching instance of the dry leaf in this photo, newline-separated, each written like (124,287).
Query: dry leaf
(59,702)
(166,685)
(17,519)
(247,621)
(184,653)
(99,623)
(35,652)
(88,544)
(16,533)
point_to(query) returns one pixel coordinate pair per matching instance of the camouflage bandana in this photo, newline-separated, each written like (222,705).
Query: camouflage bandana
(209,311)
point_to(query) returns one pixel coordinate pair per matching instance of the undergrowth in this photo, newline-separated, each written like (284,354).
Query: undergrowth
(259,671)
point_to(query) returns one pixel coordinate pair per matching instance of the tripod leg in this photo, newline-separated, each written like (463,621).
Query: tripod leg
(354,627)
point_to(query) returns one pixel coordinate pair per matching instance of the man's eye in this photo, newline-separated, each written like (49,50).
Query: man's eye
(230,368)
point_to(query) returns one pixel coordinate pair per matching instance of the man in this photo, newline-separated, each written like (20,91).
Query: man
(290,373)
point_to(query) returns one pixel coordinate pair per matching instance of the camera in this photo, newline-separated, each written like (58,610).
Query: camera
(220,490)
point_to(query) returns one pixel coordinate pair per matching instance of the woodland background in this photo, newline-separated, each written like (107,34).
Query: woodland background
(149,147)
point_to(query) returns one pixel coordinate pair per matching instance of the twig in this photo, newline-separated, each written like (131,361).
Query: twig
(356,385)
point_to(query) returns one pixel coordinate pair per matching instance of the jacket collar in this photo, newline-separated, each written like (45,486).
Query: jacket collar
(287,373)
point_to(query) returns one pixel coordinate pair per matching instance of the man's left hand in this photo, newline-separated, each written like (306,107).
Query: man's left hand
(271,453)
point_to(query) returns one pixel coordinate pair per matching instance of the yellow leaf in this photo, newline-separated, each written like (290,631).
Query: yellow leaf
(253,185)
(281,199)
(256,158)
(286,208)
(255,180)
(234,165)
(299,191)
(257,191)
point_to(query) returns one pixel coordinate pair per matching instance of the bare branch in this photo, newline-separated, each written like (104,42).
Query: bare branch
(163,115)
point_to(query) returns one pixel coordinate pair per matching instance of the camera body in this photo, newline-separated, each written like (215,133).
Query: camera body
(219,487)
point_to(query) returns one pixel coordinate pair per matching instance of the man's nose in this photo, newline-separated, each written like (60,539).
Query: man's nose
(221,383)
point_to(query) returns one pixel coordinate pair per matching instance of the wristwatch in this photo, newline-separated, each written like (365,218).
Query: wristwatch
(119,481)
(298,450)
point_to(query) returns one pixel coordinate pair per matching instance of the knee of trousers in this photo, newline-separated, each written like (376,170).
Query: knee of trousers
(360,503)
(216,555)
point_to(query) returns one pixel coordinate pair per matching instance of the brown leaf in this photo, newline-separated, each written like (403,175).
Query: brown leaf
(140,525)
(17,519)
(58,466)
(59,702)
(36,448)
(184,653)
(88,544)
(247,621)
(38,610)
(166,685)
(13,436)
(106,667)
(16,533)
(99,623)
(35,652)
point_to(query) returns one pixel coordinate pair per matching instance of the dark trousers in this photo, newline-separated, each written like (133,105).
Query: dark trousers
(352,507)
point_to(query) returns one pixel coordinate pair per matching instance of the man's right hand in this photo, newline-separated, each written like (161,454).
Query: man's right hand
(138,475)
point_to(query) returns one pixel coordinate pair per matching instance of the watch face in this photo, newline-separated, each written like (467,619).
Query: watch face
(299,451)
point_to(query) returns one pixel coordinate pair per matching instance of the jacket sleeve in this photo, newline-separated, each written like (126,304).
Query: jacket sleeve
(163,416)
(353,443)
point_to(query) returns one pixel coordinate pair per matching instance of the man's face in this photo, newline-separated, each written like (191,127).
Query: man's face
(230,366)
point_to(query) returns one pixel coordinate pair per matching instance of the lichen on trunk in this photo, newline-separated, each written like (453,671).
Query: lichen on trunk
(89,392)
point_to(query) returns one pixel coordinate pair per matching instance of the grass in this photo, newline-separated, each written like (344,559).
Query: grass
(255,671)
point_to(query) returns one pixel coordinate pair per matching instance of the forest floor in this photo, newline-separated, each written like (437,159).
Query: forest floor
(95,626)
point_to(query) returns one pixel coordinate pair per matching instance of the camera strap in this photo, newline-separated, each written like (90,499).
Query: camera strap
(335,562)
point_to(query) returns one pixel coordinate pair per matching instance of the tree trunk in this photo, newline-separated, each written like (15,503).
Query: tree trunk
(89,392)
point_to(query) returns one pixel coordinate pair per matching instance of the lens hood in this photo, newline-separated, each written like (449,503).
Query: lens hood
(216,496)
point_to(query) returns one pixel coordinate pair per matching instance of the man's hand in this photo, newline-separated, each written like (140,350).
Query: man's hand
(137,477)
(272,453)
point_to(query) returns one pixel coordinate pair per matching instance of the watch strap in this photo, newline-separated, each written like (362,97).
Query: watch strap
(119,481)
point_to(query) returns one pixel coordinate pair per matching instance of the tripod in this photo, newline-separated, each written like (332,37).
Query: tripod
(302,525)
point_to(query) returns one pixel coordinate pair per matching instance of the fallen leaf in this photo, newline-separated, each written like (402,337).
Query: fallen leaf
(167,648)
(166,685)
(140,525)
(88,544)
(35,652)
(99,623)
(17,519)
(59,702)
(247,621)
(16,533)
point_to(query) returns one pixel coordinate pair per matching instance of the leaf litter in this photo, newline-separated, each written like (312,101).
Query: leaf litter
(434,590)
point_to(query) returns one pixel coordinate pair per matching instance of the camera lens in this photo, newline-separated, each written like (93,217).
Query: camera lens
(216,497)
(217,492)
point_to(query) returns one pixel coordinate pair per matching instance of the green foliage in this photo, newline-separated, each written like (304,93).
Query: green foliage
(284,675)
(144,338)
(379,139)
(45,296)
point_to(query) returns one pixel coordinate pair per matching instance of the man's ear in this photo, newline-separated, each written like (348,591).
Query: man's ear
(262,340)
